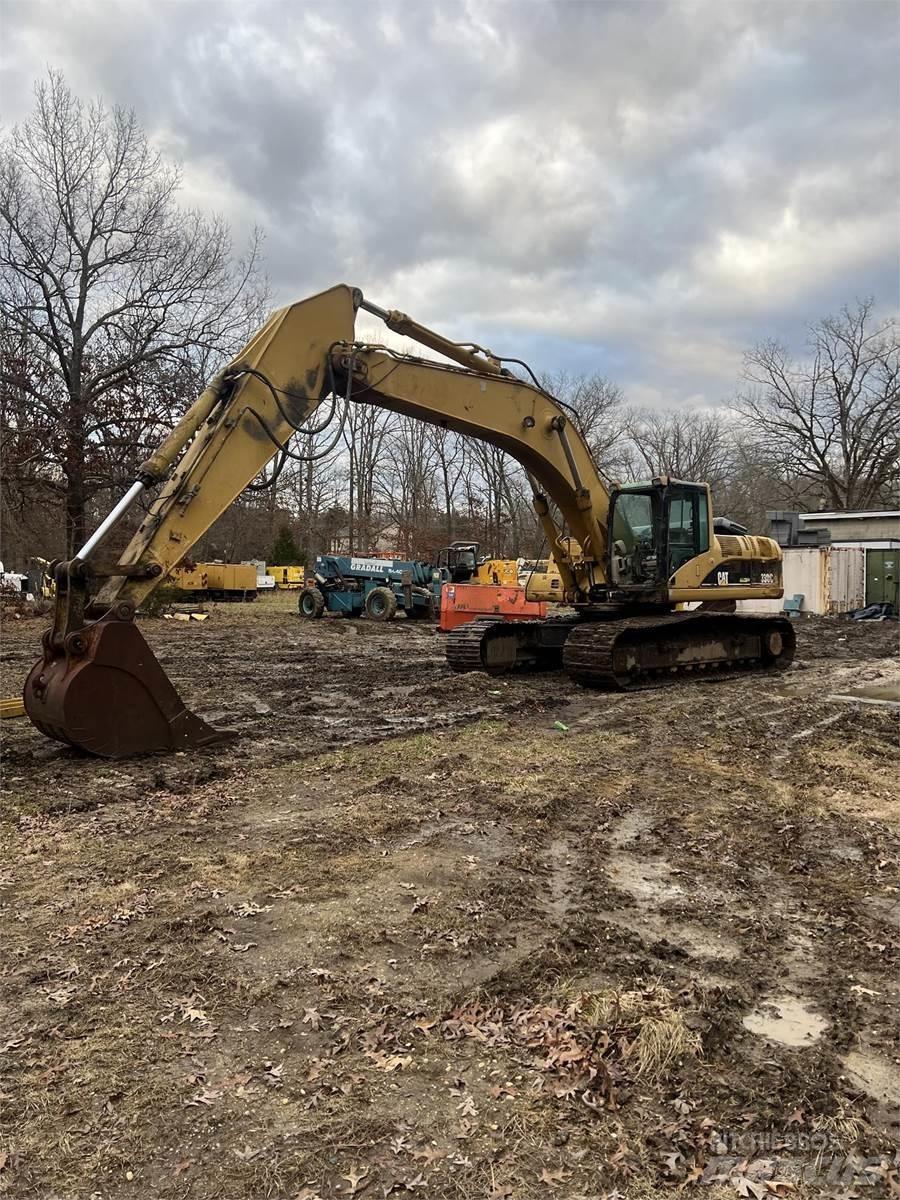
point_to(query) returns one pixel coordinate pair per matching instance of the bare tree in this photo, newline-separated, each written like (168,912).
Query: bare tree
(451,455)
(109,292)
(684,444)
(598,403)
(408,481)
(832,423)
(363,435)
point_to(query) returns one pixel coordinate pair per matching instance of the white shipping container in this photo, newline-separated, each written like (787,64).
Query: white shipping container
(845,585)
(831,579)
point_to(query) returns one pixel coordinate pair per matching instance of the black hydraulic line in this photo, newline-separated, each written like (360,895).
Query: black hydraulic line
(534,379)
(263,378)
(534,567)
(269,483)
(559,424)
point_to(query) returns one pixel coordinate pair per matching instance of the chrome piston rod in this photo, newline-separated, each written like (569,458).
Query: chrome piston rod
(111,521)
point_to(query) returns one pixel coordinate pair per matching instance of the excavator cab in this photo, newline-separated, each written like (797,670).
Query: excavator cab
(656,528)
(460,560)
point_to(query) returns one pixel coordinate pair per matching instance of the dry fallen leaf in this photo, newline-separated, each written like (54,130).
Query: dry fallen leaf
(273,1075)
(248,909)
(551,1178)
(355,1178)
(63,996)
(395,1062)
(747,1187)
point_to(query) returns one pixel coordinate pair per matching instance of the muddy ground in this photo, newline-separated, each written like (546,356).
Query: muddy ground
(448,936)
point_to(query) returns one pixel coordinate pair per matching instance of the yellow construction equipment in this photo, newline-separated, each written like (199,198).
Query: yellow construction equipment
(216,580)
(287,578)
(462,561)
(641,549)
(12,707)
(497,572)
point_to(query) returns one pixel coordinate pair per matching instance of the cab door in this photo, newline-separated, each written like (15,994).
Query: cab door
(687,526)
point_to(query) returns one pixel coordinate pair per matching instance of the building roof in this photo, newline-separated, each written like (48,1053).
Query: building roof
(849,516)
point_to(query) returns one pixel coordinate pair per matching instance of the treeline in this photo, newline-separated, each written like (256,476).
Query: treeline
(116,305)
(823,433)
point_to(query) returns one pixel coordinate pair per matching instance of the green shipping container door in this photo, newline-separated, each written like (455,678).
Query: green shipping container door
(883,577)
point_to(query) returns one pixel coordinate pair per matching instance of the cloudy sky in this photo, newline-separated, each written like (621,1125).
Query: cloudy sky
(631,186)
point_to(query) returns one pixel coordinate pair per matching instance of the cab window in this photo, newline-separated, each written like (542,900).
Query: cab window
(688,527)
(682,531)
(633,518)
(702,522)
(633,549)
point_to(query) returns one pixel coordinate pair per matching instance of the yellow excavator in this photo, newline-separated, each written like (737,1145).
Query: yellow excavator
(627,556)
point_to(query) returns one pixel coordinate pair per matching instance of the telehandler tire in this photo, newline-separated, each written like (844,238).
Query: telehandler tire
(381,604)
(311,603)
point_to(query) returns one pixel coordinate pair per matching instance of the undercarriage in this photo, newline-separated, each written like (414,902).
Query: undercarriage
(625,653)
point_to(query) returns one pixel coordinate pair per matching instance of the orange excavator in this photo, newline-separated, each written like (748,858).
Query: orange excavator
(627,557)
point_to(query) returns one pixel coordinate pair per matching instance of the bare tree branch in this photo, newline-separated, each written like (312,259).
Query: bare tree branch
(114,302)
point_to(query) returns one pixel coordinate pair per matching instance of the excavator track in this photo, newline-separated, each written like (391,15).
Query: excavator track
(650,652)
(499,646)
(464,644)
(627,653)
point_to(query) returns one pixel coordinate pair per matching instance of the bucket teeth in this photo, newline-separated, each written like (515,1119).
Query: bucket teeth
(108,695)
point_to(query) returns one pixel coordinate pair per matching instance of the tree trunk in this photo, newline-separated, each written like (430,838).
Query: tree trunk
(75,518)
(76,492)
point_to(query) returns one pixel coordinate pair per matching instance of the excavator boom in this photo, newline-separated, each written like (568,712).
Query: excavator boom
(98,685)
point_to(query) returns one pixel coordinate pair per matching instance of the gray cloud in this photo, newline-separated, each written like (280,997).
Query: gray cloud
(643,189)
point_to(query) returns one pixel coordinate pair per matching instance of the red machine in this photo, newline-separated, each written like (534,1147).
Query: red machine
(462,602)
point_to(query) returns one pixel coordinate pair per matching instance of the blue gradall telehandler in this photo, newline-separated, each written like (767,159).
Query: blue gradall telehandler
(378,587)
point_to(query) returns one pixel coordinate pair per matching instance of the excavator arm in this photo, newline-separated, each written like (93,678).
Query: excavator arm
(305,356)
(98,685)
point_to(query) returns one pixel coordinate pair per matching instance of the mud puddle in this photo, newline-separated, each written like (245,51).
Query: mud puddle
(629,827)
(879,1079)
(787,1020)
(879,693)
(652,884)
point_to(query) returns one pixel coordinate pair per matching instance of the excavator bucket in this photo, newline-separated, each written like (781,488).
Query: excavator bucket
(106,693)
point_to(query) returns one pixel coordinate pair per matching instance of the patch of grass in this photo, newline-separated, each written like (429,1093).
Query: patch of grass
(843,1126)
(498,751)
(662,1037)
